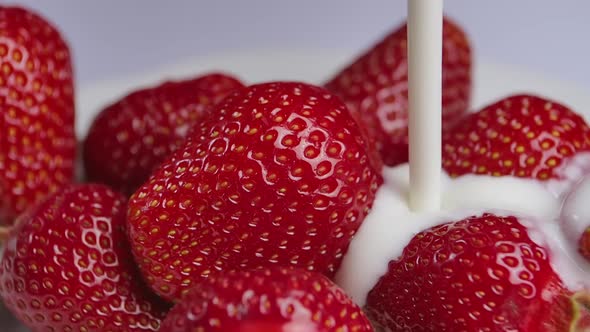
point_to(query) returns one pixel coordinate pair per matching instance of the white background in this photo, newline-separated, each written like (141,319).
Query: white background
(116,37)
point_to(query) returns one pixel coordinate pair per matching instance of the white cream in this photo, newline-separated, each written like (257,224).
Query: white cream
(576,210)
(391,225)
(571,267)
(382,237)
(571,173)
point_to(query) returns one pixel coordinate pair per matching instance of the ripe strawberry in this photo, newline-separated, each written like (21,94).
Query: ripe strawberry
(274,299)
(67,266)
(131,137)
(278,174)
(522,135)
(482,273)
(375,88)
(585,244)
(37,139)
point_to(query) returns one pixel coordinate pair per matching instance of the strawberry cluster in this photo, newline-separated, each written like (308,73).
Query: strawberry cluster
(212,205)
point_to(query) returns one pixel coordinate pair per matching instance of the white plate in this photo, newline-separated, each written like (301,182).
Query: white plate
(492,82)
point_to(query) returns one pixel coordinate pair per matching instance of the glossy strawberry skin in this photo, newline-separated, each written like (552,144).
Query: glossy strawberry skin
(131,137)
(277,175)
(275,299)
(522,135)
(68,267)
(375,88)
(37,137)
(480,273)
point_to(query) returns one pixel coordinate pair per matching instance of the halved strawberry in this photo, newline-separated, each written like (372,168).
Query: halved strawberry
(67,266)
(375,88)
(131,137)
(278,174)
(483,273)
(522,135)
(275,299)
(37,138)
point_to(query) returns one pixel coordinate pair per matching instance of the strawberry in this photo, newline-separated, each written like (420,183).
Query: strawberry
(375,88)
(483,273)
(584,245)
(67,266)
(272,299)
(278,174)
(131,137)
(37,138)
(522,135)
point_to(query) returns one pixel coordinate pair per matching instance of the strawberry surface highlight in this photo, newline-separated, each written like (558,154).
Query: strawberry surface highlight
(278,174)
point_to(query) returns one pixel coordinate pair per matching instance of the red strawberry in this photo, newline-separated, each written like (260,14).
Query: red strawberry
(131,137)
(375,88)
(275,299)
(278,174)
(37,139)
(479,274)
(585,244)
(522,135)
(67,266)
